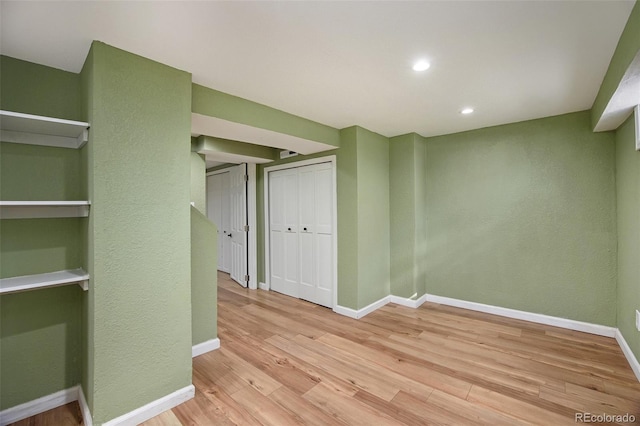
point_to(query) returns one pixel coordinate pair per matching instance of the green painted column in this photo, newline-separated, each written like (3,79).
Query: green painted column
(138,306)
(407,215)
(373,217)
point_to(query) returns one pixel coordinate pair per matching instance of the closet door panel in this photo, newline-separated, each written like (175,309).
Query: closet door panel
(324,199)
(323,254)
(225,220)
(284,240)
(306,186)
(291,246)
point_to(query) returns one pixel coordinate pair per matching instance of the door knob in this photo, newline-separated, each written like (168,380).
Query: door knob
(229,235)
(304,229)
(288,229)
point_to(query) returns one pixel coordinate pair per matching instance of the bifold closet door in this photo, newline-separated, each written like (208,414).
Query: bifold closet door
(283,218)
(301,232)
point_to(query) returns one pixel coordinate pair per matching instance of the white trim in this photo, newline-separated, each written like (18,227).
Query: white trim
(154,408)
(43,209)
(32,129)
(252,239)
(263,286)
(600,330)
(37,406)
(357,314)
(204,347)
(84,408)
(628,353)
(49,279)
(265,179)
(410,302)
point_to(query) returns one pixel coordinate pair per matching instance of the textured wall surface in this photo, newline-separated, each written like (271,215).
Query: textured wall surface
(40,343)
(402,199)
(213,103)
(198,182)
(37,89)
(523,216)
(217,145)
(373,217)
(628,196)
(407,203)
(204,278)
(139,165)
(40,331)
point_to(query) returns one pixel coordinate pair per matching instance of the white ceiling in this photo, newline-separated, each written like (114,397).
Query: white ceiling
(346,63)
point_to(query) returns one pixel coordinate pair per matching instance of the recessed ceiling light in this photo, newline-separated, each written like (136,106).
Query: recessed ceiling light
(466,110)
(421,65)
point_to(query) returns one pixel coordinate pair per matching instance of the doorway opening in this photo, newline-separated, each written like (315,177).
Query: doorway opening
(231,206)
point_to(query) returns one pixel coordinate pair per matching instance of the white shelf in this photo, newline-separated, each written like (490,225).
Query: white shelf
(51,279)
(30,129)
(43,209)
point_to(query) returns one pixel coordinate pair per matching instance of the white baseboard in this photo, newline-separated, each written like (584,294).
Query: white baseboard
(204,347)
(84,408)
(601,330)
(37,406)
(154,408)
(408,302)
(263,286)
(357,314)
(628,353)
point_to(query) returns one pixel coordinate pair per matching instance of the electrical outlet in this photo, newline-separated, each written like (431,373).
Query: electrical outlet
(638,320)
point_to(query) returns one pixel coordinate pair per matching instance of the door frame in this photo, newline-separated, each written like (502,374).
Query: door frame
(334,194)
(252,251)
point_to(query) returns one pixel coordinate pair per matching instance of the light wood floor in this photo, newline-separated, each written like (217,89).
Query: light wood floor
(284,361)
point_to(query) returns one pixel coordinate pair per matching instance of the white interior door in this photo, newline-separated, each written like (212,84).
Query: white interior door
(218,211)
(283,227)
(323,234)
(238,228)
(301,232)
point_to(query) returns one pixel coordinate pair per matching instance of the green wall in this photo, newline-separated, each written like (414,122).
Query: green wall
(37,89)
(211,145)
(198,182)
(204,278)
(139,305)
(204,258)
(628,196)
(373,217)
(213,103)
(407,180)
(626,50)
(40,331)
(523,216)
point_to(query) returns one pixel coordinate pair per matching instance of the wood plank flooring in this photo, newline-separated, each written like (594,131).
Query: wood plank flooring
(284,361)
